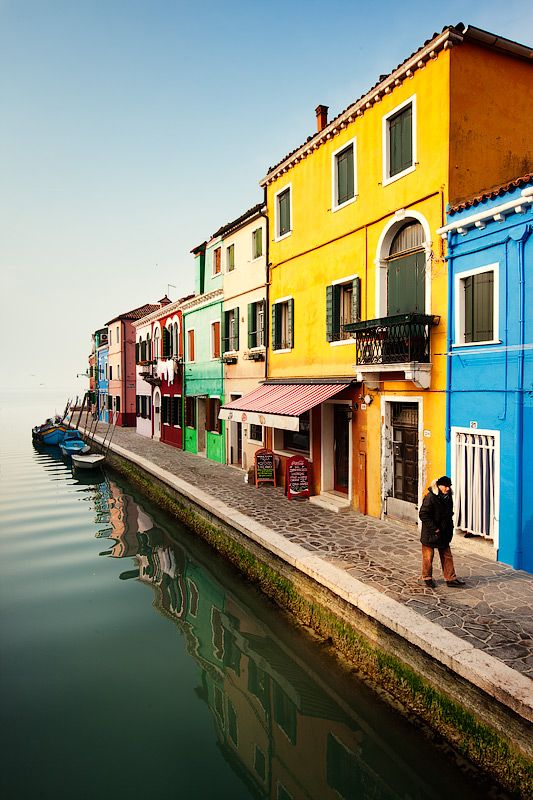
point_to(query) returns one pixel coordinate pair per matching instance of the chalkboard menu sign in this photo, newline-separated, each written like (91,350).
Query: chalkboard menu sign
(297,477)
(265,467)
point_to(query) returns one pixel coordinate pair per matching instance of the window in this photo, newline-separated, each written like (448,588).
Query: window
(406,271)
(117,403)
(149,407)
(283,212)
(344,177)
(148,348)
(118,334)
(118,372)
(256,324)
(257,243)
(255,433)
(399,141)
(343,305)
(283,324)
(260,762)
(476,299)
(232,723)
(156,344)
(110,372)
(231,330)
(298,440)
(217,255)
(215,339)
(213,423)
(176,413)
(110,402)
(284,712)
(230,258)
(190,412)
(190,345)
(165,409)
(175,336)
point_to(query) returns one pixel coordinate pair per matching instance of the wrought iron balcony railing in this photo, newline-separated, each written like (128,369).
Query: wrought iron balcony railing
(401,339)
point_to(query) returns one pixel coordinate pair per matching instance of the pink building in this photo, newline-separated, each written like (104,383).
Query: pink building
(122,370)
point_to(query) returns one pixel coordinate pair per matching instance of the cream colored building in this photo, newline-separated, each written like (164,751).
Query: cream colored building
(244,327)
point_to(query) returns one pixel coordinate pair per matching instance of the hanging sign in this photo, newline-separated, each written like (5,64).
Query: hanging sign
(297,477)
(265,467)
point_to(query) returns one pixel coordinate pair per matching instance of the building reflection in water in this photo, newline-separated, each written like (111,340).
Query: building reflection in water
(281,731)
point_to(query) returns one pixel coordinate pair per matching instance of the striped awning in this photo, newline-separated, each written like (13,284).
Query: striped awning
(279,405)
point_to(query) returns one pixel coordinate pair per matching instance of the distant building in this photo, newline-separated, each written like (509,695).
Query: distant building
(122,367)
(102,381)
(489,420)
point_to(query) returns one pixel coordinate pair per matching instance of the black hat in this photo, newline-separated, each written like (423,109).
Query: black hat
(444,481)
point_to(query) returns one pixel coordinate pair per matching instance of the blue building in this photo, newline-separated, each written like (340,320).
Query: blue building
(489,420)
(102,377)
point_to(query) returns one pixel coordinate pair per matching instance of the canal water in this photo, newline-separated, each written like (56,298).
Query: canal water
(136,664)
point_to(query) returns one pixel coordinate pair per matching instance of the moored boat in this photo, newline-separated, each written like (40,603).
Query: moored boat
(51,432)
(87,461)
(73,443)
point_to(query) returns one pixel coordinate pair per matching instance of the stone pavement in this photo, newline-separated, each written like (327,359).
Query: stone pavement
(493,612)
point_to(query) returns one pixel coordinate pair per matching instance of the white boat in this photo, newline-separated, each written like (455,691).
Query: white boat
(88,461)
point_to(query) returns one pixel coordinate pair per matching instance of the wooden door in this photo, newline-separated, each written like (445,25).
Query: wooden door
(341,445)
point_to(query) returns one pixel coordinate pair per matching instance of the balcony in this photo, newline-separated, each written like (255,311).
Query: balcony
(148,372)
(399,344)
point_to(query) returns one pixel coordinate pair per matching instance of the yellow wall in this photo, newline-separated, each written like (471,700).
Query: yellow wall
(326,246)
(491,137)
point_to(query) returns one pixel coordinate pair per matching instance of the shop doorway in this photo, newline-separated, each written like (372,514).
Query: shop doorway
(341,445)
(235,439)
(201,411)
(401,478)
(157,414)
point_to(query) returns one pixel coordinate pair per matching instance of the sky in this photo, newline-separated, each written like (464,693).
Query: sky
(130,131)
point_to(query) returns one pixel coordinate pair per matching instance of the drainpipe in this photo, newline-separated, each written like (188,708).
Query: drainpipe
(267,281)
(449,337)
(519,400)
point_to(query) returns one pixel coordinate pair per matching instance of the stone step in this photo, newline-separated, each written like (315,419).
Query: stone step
(332,501)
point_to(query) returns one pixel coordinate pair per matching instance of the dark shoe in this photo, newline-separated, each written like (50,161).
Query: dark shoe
(430,583)
(456,583)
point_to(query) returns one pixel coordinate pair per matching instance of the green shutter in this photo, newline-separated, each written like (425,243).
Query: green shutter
(284,212)
(224,332)
(345,175)
(236,326)
(252,333)
(275,327)
(290,322)
(137,352)
(401,141)
(483,307)
(329,313)
(356,300)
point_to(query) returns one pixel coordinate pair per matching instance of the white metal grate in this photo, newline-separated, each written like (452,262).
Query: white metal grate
(475,478)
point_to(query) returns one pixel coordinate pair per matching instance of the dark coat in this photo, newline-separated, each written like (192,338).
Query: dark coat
(436,513)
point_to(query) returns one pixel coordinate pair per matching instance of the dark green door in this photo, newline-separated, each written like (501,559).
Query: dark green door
(406,284)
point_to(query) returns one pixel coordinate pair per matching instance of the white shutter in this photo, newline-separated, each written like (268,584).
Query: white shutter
(475,499)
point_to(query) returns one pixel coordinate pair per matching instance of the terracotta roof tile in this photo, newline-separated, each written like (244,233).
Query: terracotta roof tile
(489,194)
(136,313)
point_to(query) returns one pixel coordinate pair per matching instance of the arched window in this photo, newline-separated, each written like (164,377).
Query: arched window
(156,344)
(148,348)
(406,271)
(175,340)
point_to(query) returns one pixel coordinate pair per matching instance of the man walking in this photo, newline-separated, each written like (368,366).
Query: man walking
(436,514)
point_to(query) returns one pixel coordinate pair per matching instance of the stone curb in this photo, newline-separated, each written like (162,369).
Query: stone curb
(481,669)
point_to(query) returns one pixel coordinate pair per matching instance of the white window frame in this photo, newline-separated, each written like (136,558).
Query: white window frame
(386,141)
(277,237)
(250,437)
(275,303)
(189,360)
(334,182)
(254,257)
(459,310)
(212,328)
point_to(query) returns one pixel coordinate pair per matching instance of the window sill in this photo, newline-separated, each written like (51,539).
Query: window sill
(398,175)
(255,441)
(283,350)
(343,205)
(283,236)
(477,344)
(342,341)
(256,258)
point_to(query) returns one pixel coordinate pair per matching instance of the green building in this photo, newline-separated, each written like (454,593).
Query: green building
(203,368)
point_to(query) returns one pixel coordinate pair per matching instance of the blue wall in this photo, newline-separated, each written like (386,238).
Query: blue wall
(103,383)
(492,384)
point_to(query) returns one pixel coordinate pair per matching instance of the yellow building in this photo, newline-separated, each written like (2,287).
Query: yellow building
(353,214)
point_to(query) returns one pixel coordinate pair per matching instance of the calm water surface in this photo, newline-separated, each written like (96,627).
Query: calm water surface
(135,664)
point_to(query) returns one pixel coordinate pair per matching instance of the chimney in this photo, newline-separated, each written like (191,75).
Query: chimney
(321,117)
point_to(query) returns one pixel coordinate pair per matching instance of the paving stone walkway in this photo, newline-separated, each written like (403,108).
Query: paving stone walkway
(494,612)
